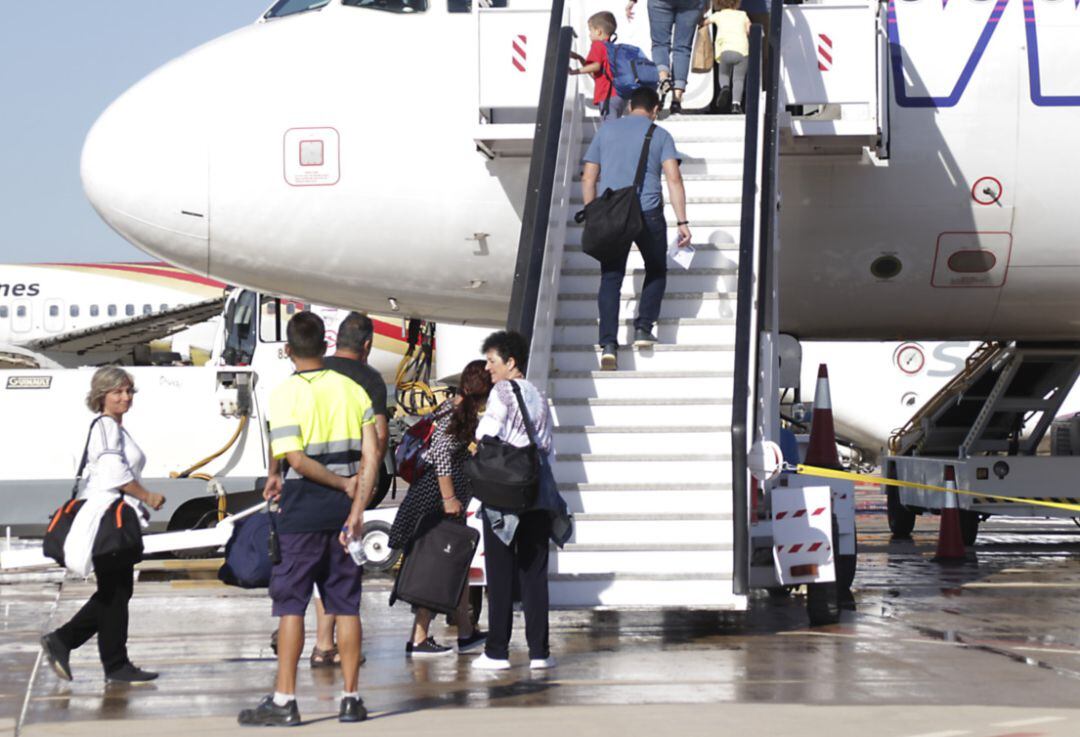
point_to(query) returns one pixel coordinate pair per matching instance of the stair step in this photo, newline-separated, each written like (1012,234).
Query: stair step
(632,384)
(679,331)
(716,305)
(698,210)
(724,165)
(641,468)
(695,411)
(636,498)
(658,358)
(679,280)
(706,256)
(640,558)
(702,230)
(601,439)
(644,591)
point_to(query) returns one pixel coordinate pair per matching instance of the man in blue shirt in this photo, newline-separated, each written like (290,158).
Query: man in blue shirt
(612,161)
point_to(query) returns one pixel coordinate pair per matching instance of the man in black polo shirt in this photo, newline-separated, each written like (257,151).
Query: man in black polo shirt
(354,339)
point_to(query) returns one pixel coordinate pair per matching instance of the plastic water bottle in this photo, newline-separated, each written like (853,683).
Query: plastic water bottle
(356,550)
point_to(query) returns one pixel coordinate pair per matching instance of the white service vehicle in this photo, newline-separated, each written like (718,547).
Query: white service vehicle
(203,428)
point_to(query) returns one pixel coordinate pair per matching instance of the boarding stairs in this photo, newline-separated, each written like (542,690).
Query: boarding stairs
(1003,402)
(643,454)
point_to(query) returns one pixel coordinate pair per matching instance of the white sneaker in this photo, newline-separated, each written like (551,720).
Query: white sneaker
(542,663)
(486,663)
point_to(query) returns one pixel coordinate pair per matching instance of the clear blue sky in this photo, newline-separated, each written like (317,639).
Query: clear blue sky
(61,64)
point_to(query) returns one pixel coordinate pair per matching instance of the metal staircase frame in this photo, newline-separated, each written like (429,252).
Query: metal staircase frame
(555,159)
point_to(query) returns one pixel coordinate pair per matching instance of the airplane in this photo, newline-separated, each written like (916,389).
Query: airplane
(417,220)
(83,313)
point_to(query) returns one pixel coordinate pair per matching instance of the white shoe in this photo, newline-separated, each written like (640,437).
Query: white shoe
(486,663)
(542,663)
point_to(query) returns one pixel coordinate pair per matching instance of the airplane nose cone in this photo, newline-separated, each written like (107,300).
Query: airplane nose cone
(145,166)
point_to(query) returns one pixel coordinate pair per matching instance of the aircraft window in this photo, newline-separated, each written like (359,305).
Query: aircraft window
(93,310)
(164,307)
(73,310)
(3,310)
(147,310)
(394,6)
(112,310)
(290,309)
(54,311)
(290,7)
(129,310)
(20,311)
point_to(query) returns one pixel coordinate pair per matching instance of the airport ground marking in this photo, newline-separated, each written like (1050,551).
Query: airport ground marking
(1028,722)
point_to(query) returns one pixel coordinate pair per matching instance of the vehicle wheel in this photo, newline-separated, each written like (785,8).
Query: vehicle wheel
(382,486)
(845,572)
(901,519)
(380,556)
(776,593)
(197,514)
(969,526)
(821,604)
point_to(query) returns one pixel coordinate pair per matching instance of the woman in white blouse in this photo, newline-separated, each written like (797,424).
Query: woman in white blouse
(515,544)
(115,465)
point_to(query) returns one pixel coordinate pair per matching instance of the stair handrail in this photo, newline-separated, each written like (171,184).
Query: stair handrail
(543,171)
(756,279)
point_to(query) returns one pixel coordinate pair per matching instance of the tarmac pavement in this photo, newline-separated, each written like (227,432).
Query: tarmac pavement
(987,648)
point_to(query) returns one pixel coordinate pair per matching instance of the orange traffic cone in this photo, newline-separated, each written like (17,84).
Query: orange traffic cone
(821,450)
(950,544)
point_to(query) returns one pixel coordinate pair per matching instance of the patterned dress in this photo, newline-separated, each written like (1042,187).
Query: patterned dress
(445,456)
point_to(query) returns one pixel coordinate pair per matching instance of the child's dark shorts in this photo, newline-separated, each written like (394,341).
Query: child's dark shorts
(311,559)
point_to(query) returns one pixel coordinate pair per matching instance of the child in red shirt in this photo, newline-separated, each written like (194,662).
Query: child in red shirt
(601,29)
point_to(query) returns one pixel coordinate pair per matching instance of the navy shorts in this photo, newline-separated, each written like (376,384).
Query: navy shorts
(310,559)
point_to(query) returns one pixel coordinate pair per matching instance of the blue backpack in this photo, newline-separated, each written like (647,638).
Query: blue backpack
(629,68)
(248,558)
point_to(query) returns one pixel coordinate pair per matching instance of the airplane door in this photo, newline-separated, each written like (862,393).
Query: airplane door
(22,317)
(54,316)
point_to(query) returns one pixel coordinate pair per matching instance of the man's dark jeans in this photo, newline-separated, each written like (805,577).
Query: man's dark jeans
(651,242)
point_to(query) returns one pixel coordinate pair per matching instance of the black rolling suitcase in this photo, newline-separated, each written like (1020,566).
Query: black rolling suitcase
(436,567)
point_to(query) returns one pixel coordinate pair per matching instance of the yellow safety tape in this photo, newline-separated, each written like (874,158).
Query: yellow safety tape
(829,473)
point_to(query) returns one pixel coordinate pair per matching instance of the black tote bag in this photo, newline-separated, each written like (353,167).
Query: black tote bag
(60,520)
(614,218)
(504,476)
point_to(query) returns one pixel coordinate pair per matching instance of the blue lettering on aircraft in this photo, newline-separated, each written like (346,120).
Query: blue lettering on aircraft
(903,99)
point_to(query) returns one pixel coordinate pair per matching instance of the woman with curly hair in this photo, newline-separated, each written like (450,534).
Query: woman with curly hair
(444,489)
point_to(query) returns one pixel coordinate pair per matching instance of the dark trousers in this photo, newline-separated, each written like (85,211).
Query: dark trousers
(105,613)
(526,558)
(651,242)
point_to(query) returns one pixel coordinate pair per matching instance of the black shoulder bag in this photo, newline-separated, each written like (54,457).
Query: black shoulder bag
(614,218)
(60,520)
(504,476)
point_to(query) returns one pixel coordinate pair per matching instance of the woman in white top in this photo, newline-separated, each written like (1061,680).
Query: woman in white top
(114,465)
(515,544)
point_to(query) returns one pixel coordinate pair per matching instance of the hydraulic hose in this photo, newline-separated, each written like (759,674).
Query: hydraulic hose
(232,441)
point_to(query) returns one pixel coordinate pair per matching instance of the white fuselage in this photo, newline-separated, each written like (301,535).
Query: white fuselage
(42,301)
(192,165)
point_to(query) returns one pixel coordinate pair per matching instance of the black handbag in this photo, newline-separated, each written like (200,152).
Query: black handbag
(436,567)
(505,476)
(119,533)
(614,218)
(60,520)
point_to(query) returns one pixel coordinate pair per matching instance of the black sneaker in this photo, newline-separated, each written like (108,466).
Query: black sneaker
(609,358)
(474,642)
(426,649)
(269,714)
(58,655)
(352,710)
(644,338)
(128,673)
